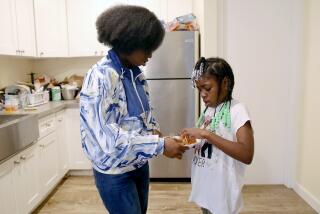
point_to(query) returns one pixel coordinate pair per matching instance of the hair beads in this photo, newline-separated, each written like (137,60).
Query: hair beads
(223,116)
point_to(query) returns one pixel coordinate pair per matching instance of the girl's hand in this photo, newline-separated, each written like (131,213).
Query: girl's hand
(193,132)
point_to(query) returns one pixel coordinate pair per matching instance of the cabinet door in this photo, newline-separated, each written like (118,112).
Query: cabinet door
(77,158)
(51,28)
(158,7)
(48,159)
(62,144)
(178,8)
(8,38)
(82,33)
(7,202)
(25,27)
(27,186)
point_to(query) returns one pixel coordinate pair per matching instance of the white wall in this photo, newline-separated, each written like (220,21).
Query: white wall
(308,158)
(13,69)
(206,12)
(260,41)
(64,67)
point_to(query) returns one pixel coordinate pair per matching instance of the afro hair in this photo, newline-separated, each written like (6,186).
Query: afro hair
(128,28)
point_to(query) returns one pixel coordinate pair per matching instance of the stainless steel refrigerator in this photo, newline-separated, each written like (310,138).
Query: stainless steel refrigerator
(175,101)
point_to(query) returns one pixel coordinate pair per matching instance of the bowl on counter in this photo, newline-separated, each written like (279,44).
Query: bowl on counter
(69,93)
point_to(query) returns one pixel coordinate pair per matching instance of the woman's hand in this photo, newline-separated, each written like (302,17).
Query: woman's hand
(173,149)
(193,132)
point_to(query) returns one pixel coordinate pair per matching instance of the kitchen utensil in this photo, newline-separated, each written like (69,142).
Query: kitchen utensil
(69,93)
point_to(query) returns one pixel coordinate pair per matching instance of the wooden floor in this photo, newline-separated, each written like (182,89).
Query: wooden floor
(79,195)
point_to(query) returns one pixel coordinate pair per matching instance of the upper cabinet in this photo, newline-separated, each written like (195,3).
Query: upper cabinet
(82,16)
(158,7)
(82,33)
(51,28)
(25,25)
(17,28)
(66,28)
(178,8)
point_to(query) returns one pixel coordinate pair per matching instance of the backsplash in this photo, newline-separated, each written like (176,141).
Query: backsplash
(64,67)
(13,69)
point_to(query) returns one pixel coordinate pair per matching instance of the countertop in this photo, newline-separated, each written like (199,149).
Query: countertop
(46,109)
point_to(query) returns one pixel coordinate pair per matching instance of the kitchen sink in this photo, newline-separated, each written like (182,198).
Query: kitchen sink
(7,118)
(16,133)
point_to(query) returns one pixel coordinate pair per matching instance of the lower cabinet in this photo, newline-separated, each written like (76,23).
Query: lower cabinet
(48,162)
(63,150)
(28,177)
(77,158)
(26,180)
(7,194)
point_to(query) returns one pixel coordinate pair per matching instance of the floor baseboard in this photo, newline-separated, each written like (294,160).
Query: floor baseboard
(80,173)
(307,196)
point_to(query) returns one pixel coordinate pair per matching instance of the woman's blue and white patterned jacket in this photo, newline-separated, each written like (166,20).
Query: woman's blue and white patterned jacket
(116,121)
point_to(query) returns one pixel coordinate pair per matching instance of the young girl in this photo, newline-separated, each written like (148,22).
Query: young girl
(227,147)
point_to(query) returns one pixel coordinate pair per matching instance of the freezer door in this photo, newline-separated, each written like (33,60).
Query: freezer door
(174,108)
(175,57)
(173,102)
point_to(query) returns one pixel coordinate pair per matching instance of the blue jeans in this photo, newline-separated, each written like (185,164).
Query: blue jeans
(205,211)
(125,193)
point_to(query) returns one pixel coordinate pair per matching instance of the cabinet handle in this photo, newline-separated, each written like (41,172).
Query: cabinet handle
(22,51)
(17,52)
(16,162)
(95,53)
(41,53)
(23,157)
(59,120)
(42,146)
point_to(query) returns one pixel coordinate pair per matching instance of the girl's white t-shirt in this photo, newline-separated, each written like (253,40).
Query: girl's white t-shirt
(217,178)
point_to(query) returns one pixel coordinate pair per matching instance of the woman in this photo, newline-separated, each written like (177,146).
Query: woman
(118,131)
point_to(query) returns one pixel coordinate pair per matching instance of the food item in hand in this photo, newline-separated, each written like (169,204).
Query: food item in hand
(186,140)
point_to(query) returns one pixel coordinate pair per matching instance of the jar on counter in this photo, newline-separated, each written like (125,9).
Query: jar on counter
(56,93)
(11,103)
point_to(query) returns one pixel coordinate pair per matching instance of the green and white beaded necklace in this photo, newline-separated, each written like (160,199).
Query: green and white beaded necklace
(223,115)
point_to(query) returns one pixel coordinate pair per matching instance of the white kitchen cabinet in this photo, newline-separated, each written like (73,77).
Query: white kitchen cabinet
(166,10)
(46,125)
(17,28)
(62,143)
(51,28)
(26,180)
(77,158)
(8,38)
(158,7)
(82,33)
(7,195)
(48,160)
(25,26)
(82,16)
(177,8)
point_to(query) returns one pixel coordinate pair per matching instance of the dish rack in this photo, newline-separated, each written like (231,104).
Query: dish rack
(38,98)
